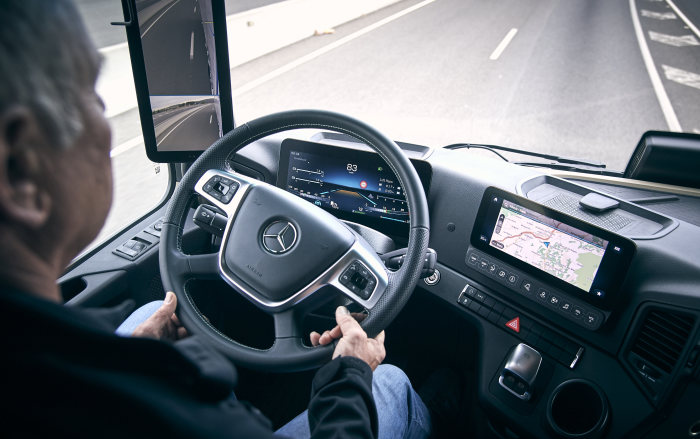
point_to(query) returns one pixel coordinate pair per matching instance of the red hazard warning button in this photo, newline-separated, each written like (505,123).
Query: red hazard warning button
(514,324)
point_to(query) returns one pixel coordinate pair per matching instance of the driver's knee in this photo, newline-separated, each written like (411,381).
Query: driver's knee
(387,375)
(400,409)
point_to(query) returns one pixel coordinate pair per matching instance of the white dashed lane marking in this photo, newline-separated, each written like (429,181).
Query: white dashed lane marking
(673,40)
(658,15)
(503,44)
(682,76)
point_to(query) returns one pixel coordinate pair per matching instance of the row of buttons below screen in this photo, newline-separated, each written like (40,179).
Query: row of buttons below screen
(551,343)
(589,318)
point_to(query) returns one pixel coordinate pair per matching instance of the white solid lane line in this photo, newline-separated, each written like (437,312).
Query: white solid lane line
(504,43)
(154,21)
(124,147)
(674,40)
(661,95)
(192,46)
(690,24)
(325,49)
(682,76)
(158,142)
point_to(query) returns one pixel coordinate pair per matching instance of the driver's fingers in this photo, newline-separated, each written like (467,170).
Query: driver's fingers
(335,332)
(348,325)
(325,338)
(315,337)
(380,337)
(181,333)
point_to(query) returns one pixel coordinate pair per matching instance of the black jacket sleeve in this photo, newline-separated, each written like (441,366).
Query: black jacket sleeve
(341,400)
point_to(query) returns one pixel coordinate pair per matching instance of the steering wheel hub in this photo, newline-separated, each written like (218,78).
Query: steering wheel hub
(278,249)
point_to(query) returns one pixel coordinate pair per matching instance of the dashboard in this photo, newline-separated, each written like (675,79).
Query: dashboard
(607,299)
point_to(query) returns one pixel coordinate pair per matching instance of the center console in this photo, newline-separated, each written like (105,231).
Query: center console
(568,266)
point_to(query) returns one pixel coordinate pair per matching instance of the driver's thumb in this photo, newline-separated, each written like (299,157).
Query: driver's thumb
(168,307)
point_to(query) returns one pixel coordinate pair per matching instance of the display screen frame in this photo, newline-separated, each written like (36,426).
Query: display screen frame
(388,227)
(143,95)
(610,274)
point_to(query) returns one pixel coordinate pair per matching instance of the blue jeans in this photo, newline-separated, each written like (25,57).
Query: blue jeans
(400,411)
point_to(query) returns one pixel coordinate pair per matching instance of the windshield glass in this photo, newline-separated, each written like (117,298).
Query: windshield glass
(582,79)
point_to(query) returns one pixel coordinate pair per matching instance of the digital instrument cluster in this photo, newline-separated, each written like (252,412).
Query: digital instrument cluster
(352,184)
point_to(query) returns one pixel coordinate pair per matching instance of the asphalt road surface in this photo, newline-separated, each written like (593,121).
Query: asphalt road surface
(562,77)
(175,51)
(187,128)
(571,81)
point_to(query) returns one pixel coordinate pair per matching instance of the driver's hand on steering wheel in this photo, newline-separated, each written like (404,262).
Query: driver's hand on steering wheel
(353,339)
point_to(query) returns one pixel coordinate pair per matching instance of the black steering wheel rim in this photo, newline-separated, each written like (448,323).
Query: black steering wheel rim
(289,353)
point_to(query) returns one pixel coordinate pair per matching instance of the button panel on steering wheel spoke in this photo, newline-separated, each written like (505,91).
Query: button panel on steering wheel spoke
(221,188)
(358,279)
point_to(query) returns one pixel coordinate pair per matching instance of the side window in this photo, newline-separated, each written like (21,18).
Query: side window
(139,184)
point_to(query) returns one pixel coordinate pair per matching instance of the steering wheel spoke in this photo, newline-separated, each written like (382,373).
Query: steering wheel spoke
(286,324)
(277,249)
(203,266)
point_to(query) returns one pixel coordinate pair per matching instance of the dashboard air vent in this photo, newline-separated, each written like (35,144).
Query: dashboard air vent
(663,337)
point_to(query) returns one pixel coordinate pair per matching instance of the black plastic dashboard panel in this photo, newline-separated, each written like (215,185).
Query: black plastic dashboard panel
(597,280)
(351,184)
(628,219)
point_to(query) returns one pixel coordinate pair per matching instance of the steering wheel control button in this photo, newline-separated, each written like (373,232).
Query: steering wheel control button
(221,188)
(279,237)
(358,279)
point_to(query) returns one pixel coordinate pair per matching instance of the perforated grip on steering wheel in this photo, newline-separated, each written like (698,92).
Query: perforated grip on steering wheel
(401,283)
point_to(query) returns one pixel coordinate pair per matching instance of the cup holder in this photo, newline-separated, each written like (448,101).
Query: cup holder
(578,409)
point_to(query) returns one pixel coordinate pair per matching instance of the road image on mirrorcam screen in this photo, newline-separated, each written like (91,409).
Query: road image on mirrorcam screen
(570,254)
(180,59)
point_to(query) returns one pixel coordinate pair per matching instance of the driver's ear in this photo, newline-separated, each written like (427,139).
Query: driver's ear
(23,200)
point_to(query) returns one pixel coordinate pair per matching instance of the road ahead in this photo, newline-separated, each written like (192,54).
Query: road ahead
(572,80)
(569,77)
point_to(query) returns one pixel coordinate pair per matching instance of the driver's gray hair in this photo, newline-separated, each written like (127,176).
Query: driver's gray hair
(46,61)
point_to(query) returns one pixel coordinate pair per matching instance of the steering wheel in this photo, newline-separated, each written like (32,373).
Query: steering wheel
(279,250)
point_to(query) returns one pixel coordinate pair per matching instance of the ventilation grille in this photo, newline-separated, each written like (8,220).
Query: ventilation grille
(662,338)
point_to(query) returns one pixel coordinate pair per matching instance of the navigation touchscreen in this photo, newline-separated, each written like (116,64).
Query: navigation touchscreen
(568,253)
(563,251)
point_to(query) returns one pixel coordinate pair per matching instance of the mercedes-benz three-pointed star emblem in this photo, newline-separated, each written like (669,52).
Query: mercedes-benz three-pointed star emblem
(279,237)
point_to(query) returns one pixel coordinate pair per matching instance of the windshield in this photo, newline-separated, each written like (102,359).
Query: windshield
(582,79)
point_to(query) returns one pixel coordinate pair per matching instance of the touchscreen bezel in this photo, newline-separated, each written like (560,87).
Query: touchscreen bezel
(611,272)
(392,228)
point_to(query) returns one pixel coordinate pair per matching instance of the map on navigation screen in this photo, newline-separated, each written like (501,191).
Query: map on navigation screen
(568,253)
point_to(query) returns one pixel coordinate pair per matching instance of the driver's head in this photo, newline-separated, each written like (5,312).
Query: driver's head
(55,172)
